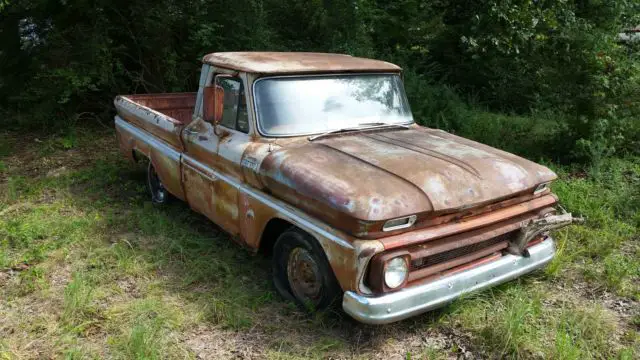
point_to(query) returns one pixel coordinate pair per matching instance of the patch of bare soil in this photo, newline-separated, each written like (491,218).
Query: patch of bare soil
(213,343)
(59,277)
(285,334)
(6,275)
(129,287)
(625,309)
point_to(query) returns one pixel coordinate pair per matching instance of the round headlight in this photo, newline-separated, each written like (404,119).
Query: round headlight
(395,272)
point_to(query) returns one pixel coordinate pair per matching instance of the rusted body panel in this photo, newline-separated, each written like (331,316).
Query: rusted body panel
(467,224)
(469,200)
(163,115)
(164,157)
(296,63)
(178,107)
(356,182)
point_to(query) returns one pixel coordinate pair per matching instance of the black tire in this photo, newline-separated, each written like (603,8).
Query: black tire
(313,286)
(159,195)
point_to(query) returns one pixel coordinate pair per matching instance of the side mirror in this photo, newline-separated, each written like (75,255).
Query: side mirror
(213,100)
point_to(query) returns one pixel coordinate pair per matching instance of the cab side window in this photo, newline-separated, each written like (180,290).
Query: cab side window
(234,105)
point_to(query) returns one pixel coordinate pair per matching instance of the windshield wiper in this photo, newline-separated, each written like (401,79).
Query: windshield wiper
(335,131)
(362,126)
(383,124)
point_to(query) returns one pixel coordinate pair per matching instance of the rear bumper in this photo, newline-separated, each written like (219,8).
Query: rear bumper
(421,298)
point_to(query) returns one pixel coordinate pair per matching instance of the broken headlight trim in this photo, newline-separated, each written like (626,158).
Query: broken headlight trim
(396,272)
(399,223)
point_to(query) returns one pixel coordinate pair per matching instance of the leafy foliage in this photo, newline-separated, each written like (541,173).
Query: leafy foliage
(61,62)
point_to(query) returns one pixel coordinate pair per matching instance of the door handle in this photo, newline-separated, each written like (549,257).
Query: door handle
(190,132)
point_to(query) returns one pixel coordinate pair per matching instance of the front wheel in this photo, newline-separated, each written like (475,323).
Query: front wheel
(302,273)
(159,195)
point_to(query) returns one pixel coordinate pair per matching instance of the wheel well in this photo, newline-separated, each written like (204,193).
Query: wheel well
(138,155)
(271,232)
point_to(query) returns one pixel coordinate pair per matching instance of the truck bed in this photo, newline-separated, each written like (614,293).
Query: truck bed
(163,115)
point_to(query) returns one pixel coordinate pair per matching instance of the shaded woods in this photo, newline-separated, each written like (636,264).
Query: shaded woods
(546,79)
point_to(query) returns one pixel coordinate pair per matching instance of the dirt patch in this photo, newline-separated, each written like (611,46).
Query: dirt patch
(367,342)
(624,308)
(5,276)
(57,172)
(59,277)
(129,287)
(627,310)
(211,343)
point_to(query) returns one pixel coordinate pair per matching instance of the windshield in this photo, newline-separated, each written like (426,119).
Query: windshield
(315,104)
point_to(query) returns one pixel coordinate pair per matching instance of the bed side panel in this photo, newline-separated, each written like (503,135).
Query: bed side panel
(152,121)
(178,106)
(164,157)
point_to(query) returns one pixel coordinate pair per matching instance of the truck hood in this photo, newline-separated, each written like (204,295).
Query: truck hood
(381,175)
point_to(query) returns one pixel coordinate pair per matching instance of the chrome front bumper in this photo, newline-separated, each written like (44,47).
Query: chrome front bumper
(421,298)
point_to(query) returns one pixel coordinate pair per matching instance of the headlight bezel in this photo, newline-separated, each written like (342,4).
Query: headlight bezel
(377,270)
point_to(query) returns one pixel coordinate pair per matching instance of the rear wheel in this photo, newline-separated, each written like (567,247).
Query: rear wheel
(159,195)
(302,273)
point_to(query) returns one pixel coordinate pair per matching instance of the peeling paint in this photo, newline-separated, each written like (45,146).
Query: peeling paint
(340,189)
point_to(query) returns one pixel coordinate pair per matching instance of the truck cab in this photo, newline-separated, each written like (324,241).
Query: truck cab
(317,159)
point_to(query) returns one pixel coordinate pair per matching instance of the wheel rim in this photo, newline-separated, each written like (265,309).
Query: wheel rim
(158,192)
(304,276)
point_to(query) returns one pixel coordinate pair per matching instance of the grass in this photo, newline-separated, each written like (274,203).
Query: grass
(89,268)
(528,321)
(77,307)
(605,250)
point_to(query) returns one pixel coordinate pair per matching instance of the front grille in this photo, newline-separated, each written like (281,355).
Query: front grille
(459,252)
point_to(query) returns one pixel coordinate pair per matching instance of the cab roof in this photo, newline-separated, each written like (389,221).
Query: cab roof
(296,62)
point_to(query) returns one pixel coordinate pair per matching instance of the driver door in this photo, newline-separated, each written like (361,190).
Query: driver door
(211,164)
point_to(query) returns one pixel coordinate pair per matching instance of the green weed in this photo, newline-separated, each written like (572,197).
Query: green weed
(146,328)
(512,322)
(17,185)
(582,334)
(79,353)
(603,249)
(431,353)
(504,319)
(30,232)
(78,297)
(31,280)
(620,272)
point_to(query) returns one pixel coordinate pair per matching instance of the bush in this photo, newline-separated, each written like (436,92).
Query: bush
(61,63)
(560,57)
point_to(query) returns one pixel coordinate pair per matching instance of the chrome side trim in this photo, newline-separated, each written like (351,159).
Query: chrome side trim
(148,139)
(421,298)
(281,207)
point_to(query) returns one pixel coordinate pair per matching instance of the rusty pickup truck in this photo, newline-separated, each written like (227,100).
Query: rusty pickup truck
(316,160)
